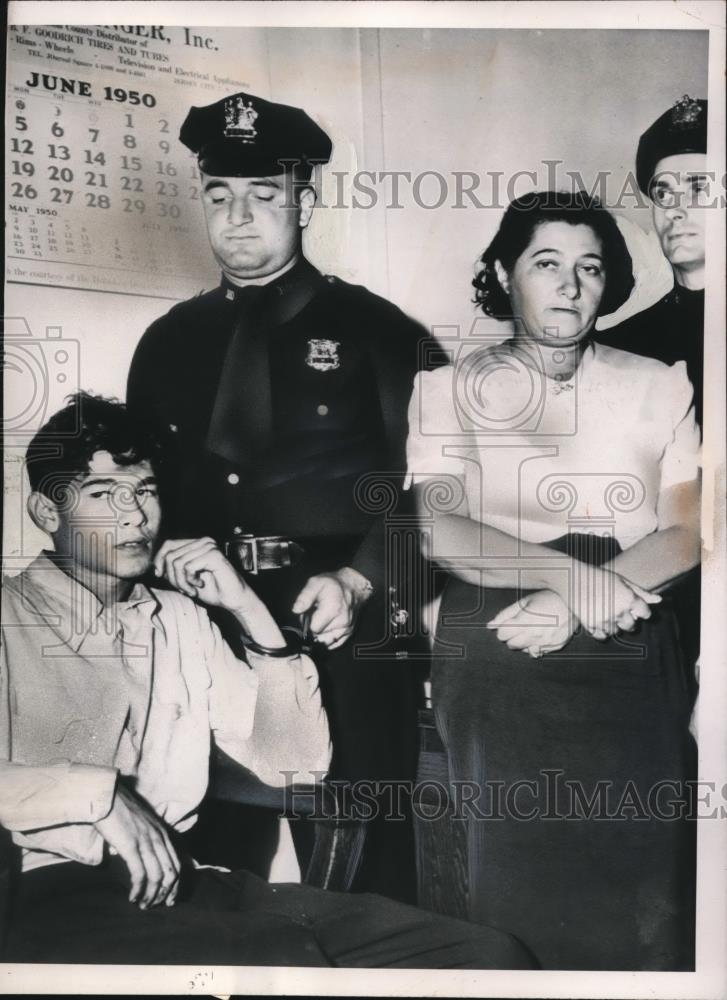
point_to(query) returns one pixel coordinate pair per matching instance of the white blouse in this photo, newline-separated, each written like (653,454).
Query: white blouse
(540,458)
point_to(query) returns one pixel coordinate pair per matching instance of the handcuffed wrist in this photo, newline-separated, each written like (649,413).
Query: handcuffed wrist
(295,644)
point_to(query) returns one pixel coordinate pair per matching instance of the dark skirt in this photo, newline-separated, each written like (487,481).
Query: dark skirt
(570,773)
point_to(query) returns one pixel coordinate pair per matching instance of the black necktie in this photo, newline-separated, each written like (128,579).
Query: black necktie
(241,426)
(241,422)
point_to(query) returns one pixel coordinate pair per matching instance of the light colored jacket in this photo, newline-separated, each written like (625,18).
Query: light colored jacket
(140,689)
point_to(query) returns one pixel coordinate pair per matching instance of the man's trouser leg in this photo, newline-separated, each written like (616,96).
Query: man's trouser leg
(74,913)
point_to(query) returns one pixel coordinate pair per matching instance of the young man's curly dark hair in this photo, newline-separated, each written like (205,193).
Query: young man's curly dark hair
(63,447)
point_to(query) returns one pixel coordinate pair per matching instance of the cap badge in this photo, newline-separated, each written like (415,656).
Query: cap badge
(685,112)
(240,119)
(323,355)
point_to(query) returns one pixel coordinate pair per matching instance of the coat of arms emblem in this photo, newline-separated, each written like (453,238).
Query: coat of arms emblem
(323,355)
(685,112)
(240,118)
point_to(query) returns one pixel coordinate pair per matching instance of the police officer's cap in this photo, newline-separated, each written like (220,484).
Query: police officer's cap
(681,129)
(246,136)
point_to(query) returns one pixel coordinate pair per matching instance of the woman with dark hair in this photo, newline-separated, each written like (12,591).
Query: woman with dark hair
(557,483)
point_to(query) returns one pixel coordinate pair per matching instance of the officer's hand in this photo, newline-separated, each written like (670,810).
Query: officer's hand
(333,599)
(199,569)
(134,832)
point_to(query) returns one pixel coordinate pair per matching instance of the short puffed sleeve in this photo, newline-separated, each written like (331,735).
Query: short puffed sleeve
(434,428)
(682,456)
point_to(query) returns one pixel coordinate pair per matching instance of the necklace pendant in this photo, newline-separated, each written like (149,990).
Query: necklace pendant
(560,386)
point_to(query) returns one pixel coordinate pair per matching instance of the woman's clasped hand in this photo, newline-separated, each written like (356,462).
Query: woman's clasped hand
(601,601)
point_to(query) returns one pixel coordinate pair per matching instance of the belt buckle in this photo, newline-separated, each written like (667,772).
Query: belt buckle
(253,554)
(243,552)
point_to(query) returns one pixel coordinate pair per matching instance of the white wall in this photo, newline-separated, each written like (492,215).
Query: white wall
(507,101)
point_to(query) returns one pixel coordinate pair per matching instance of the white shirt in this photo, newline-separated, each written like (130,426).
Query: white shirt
(540,459)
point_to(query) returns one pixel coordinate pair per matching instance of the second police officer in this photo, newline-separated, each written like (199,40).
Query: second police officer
(671,169)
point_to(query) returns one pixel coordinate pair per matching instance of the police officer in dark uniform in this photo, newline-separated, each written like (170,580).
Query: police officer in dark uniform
(671,170)
(281,399)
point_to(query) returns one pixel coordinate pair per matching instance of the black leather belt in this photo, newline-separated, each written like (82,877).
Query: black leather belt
(253,554)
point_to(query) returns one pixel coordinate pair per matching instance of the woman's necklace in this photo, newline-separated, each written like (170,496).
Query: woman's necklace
(559,383)
(561,367)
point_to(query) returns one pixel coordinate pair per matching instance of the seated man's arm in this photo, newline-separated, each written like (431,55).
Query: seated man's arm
(289,741)
(38,801)
(134,831)
(266,713)
(35,797)
(38,797)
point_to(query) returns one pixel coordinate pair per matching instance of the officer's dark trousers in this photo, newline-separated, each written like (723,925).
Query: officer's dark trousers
(75,913)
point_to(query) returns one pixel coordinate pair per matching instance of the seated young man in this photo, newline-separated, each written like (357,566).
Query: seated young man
(110,694)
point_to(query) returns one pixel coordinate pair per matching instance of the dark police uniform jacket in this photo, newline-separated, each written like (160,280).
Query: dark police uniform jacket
(282,409)
(673,330)
(670,330)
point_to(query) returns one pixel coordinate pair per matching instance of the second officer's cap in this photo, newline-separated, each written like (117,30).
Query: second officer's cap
(681,129)
(247,136)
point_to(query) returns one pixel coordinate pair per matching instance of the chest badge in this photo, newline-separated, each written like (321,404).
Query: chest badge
(323,355)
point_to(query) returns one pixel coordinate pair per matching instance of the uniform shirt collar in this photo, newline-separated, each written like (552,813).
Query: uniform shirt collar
(66,601)
(233,286)
(285,290)
(687,296)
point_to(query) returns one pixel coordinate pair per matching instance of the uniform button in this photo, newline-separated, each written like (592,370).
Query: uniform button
(237,530)
(322,410)
(173,428)
(233,479)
